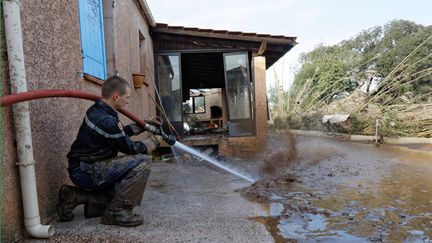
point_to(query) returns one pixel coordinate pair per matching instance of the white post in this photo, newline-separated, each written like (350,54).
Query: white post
(376,131)
(26,161)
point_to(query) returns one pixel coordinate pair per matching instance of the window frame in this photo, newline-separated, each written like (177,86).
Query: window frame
(192,100)
(89,68)
(194,104)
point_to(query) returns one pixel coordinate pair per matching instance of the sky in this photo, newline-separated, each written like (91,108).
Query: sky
(313,22)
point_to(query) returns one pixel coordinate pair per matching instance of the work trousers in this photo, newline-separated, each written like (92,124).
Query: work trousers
(122,178)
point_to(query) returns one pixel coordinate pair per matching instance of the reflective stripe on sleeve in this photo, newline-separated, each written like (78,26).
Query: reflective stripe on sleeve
(102,132)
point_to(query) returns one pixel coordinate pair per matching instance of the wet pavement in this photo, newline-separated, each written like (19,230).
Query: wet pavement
(314,190)
(348,192)
(185,201)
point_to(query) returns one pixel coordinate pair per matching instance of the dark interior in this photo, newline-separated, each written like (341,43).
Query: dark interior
(201,71)
(215,112)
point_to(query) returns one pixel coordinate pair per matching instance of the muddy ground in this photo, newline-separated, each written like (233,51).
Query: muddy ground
(323,190)
(308,190)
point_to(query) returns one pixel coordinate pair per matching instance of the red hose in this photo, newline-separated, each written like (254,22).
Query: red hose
(38,94)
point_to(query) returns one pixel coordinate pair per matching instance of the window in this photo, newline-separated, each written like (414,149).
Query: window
(199,104)
(169,80)
(92,38)
(196,104)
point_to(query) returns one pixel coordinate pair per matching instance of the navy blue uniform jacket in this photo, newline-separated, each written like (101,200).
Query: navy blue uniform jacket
(101,136)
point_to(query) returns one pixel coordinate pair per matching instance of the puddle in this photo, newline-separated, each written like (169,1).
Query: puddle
(276,209)
(305,227)
(396,206)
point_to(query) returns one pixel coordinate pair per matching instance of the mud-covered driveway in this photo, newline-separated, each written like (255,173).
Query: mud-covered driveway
(338,191)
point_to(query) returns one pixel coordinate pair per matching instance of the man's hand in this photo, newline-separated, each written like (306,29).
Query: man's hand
(155,120)
(135,128)
(152,142)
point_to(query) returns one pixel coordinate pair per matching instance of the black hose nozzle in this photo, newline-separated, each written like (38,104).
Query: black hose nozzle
(170,139)
(153,129)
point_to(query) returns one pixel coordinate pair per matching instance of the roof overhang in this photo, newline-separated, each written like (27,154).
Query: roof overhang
(179,38)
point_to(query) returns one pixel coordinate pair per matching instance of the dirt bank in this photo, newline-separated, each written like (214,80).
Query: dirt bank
(335,191)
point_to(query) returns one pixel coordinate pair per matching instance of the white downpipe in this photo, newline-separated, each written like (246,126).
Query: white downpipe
(26,161)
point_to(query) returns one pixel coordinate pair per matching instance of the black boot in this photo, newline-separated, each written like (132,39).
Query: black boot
(69,198)
(129,193)
(120,213)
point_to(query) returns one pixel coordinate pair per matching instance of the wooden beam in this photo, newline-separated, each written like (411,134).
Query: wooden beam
(164,41)
(256,38)
(262,48)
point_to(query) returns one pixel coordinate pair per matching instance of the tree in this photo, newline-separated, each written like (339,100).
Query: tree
(398,54)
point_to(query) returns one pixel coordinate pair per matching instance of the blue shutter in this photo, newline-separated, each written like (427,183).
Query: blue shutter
(92,38)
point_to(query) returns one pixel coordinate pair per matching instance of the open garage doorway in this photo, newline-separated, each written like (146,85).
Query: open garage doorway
(207,92)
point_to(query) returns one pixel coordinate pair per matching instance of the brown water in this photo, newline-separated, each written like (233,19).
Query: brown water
(388,199)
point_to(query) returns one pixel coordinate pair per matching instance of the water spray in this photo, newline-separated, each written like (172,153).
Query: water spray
(155,127)
(213,161)
(148,125)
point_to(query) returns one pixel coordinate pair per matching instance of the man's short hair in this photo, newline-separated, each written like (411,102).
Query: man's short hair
(113,84)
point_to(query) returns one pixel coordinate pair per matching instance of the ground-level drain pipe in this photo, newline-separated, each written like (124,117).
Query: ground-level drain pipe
(26,161)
